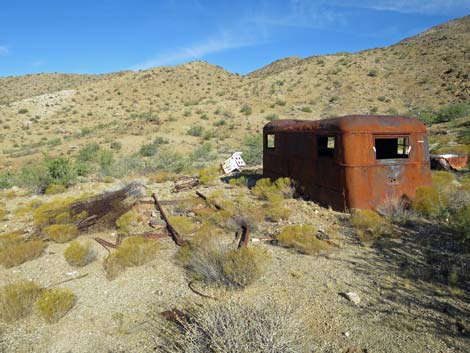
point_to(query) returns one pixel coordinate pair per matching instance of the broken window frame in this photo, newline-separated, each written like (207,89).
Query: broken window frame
(328,150)
(270,141)
(403,147)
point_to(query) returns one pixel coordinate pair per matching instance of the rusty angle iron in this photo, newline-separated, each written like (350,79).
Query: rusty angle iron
(350,162)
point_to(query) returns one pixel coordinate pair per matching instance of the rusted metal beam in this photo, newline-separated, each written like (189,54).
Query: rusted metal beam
(245,237)
(172,231)
(213,203)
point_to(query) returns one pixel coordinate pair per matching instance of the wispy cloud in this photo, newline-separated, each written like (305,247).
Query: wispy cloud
(225,41)
(302,13)
(4,50)
(425,7)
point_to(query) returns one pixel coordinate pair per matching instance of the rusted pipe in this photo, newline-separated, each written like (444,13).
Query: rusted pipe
(204,197)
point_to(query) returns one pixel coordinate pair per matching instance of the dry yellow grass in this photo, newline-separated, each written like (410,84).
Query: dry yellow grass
(78,254)
(302,238)
(17,299)
(134,251)
(15,250)
(369,224)
(61,233)
(54,303)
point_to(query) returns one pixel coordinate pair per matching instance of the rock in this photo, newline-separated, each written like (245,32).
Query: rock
(352,297)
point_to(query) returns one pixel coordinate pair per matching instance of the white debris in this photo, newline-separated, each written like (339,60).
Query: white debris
(235,162)
(353,297)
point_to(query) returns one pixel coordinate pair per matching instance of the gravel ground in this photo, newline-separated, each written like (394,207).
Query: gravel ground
(396,313)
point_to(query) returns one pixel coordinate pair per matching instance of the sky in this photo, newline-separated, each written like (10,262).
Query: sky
(100,36)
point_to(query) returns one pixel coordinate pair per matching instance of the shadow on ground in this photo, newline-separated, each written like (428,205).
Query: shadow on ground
(421,283)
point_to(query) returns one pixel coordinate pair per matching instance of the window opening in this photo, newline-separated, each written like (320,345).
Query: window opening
(326,146)
(270,141)
(392,147)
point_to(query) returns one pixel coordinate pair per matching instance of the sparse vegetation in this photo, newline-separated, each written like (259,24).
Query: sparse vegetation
(61,233)
(15,250)
(369,225)
(134,251)
(78,254)
(211,259)
(302,238)
(254,325)
(17,300)
(53,304)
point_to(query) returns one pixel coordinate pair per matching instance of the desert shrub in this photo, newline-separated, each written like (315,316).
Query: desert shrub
(265,188)
(6,180)
(17,299)
(163,176)
(429,202)
(253,149)
(240,181)
(452,111)
(60,171)
(88,152)
(148,150)
(34,176)
(302,238)
(237,325)
(126,166)
(108,179)
(61,233)
(134,251)
(3,212)
(369,225)
(113,266)
(460,221)
(208,175)
(275,208)
(246,109)
(182,224)
(195,130)
(372,73)
(306,109)
(54,189)
(14,250)
(271,117)
(127,221)
(54,303)
(203,153)
(78,254)
(52,212)
(22,111)
(115,145)
(212,259)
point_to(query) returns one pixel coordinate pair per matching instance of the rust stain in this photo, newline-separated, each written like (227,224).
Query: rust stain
(357,161)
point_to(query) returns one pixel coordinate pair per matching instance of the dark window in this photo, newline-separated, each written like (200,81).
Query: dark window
(392,147)
(326,146)
(270,141)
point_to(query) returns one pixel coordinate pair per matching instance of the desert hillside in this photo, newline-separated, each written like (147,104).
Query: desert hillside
(58,113)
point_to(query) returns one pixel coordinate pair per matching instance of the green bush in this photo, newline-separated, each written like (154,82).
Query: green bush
(88,152)
(460,221)
(195,130)
(246,109)
(253,149)
(148,150)
(453,111)
(60,171)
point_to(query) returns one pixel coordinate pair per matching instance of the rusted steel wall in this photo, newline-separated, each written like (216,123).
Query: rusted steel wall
(352,177)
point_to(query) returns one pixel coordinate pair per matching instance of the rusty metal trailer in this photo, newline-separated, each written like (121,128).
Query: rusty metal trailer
(350,162)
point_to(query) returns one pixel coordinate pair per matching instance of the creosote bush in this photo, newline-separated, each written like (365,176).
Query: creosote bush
(429,202)
(134,251)
(78,254)
(256,325)
(15,250)
(302,238)
(53,189)
(369,224)
(61,233)
(265,188)
(17,299)
(54,303)
(127,221)
(210,258)
(182,224)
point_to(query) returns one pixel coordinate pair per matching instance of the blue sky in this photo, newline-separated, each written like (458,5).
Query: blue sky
(99,36)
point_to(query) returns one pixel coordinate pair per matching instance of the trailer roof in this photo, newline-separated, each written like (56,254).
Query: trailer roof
(350,123)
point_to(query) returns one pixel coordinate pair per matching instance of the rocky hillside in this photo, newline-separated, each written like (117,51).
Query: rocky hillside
(58,113)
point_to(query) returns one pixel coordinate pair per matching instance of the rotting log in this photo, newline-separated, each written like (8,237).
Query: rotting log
(171,231)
